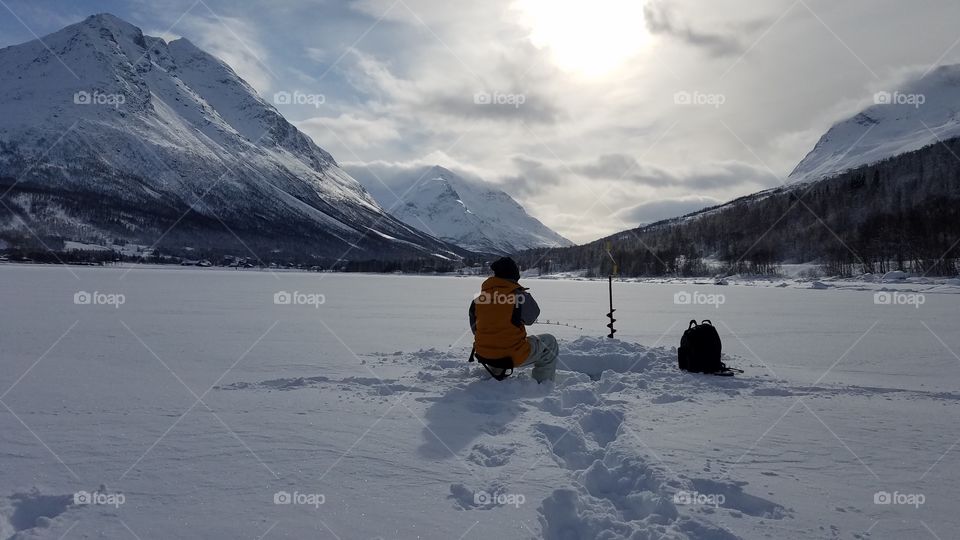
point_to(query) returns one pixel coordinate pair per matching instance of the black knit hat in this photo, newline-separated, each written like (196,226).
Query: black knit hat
(505,268)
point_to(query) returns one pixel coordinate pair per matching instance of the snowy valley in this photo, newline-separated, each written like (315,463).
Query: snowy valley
(254,340)
(295,421)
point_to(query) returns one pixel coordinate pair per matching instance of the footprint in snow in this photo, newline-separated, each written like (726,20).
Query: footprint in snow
(667,398)
(735,498)
(568,446)
(489,455)
(603,425)
(488,498)
(23,512)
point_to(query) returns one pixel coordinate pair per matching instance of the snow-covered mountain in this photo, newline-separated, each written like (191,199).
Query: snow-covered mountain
(468,212)
(106,133)
(925,110)
(879,192)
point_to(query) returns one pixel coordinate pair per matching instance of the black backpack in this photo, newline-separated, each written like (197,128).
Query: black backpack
(700,350)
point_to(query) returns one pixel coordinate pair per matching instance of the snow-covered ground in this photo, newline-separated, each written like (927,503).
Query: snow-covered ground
(793,277)
(188,404)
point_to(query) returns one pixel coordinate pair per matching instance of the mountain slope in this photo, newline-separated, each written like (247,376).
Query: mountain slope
(119,135)
(879,192)
(470,213)
(925,110)
(902,213)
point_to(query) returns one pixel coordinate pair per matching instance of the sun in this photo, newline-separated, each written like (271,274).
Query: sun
(588,37)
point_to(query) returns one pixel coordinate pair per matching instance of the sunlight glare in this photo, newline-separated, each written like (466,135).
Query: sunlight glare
(588,37)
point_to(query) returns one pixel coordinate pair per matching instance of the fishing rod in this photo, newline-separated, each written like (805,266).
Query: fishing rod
(557,323)
(613,272)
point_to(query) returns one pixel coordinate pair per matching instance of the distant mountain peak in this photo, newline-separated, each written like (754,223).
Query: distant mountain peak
(441,172)
(949,73)
(111,27)
(186,44)
(112,22)
(925,110)
(107,18)
(468,212)
(865,119)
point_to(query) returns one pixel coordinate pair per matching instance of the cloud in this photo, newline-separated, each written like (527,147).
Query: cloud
(660,19)
(165,35)
(434,158)
(533,177)
(432,96)
(713,176)
(496,105)
(658,210)
(351,132)
(236,42)
(623,167)
(397,168)
(386,182)
(317,54)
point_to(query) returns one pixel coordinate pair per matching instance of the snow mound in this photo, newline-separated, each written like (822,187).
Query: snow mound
(896,275)
(592,356)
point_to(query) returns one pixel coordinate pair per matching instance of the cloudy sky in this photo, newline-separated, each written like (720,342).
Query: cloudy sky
(597,115)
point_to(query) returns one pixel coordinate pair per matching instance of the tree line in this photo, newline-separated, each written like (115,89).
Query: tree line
(899,214)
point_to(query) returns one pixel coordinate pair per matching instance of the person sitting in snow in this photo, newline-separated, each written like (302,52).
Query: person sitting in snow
(498,317)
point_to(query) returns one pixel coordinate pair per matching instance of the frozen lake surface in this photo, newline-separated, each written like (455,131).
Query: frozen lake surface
(188,408)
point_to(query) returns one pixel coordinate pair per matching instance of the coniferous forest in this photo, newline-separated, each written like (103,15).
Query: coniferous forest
(899,214)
